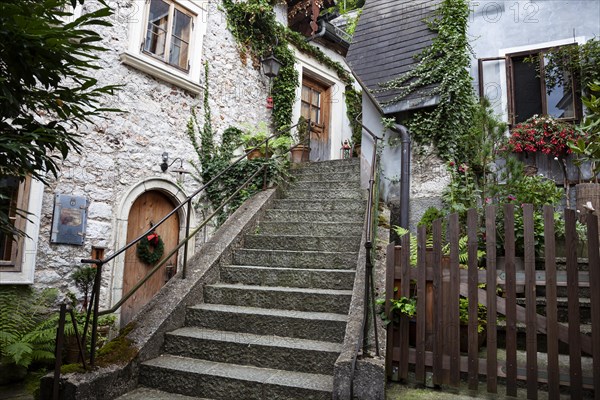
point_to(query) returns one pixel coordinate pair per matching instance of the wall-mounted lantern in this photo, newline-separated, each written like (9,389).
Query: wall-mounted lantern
(271,66)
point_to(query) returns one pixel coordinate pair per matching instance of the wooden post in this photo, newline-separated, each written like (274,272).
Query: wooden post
(594,263)
(576,381)
(404,291)
(473,271)
(491,277)
(438,331)
(551,304)
(531,302)
(389,295)
(421,304)
(511,300)
(453,312)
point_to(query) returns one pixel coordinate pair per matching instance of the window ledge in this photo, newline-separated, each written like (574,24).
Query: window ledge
(160,72)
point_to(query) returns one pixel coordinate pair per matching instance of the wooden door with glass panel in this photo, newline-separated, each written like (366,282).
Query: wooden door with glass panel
(315,106)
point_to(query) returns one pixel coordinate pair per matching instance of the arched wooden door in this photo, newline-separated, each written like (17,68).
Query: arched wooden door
(148,209)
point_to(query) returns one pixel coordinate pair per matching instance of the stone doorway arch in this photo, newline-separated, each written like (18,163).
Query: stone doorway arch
(152,190)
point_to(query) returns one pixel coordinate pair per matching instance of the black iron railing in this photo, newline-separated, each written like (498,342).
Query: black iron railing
(93,311)
(370,233)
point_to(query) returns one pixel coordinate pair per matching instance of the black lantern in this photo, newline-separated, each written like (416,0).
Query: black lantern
(271,66)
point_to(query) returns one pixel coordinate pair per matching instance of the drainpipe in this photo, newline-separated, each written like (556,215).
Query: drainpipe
(404,173)
(321,33)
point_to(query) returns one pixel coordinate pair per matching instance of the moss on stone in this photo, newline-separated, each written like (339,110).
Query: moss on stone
(71,368)
(120,350)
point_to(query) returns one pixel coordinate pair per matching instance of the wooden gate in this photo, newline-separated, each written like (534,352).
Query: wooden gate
(148,209)
(439,282)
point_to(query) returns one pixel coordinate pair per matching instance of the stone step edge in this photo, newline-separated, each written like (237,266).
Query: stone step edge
(354,183)
(585,328)
(317,382)
(290,269)
(561,301)
(347,213)
(320,316)
(312,223)
(146,393)
(298,252)
(253,339)
(281,289)
(331,237)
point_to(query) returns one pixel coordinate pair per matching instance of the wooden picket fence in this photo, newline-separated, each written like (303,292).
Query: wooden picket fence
(439,282)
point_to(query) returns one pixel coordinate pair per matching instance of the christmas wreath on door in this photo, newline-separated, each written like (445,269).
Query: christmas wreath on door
(150,249)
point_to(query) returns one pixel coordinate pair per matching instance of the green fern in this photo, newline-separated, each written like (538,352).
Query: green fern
(463,248)
(25,335)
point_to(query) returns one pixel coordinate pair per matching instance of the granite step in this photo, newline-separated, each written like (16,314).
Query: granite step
(288,277)
(542,338)
(320,194)
(295,259)
(309,243)
(265,351)
(335,205)
(283,298)
(193,377)
(287,215)
(144,393)
(319,229)
(585,315)
(327,167)
(327,185)
(327,327)
(327,177)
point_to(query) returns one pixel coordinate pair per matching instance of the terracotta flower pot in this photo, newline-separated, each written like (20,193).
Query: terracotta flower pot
(300,153)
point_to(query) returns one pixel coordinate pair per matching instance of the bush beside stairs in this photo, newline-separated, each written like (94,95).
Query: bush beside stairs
(273,326)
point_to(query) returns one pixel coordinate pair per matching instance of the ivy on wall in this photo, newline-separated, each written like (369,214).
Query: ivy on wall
(213,158)
(255,27)
(442,70)
(353,110)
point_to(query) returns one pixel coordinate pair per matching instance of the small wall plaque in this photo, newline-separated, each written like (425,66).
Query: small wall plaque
(69,219)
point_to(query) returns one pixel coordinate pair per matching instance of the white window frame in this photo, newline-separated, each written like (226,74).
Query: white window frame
(135,56)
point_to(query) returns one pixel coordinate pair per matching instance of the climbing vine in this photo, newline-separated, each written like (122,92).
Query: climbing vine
(213,158)
(255,27)
(353,110)
(442,71)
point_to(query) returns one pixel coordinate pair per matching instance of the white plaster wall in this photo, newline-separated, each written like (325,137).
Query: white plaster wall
(500,27)
(123,150)
(371,118)
(339,123)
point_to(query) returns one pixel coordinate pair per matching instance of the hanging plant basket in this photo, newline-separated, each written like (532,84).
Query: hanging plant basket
(151,249)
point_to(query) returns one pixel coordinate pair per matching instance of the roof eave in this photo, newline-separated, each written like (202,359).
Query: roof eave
(411,104)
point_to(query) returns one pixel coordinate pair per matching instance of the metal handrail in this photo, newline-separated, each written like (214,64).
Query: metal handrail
(369,282)
(369,292)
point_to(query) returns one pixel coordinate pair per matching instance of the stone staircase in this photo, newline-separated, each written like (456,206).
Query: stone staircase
(273,326)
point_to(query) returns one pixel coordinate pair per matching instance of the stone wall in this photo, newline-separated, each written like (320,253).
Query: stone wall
(124,149)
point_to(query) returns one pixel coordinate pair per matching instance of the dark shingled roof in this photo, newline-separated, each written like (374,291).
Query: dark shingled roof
(388,36)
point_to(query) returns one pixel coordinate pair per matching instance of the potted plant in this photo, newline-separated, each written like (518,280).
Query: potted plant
(301,151)
(543,134)
(254,137)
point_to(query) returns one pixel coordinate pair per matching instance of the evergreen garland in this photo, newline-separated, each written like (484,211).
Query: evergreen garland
(442,70)
(150,249)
